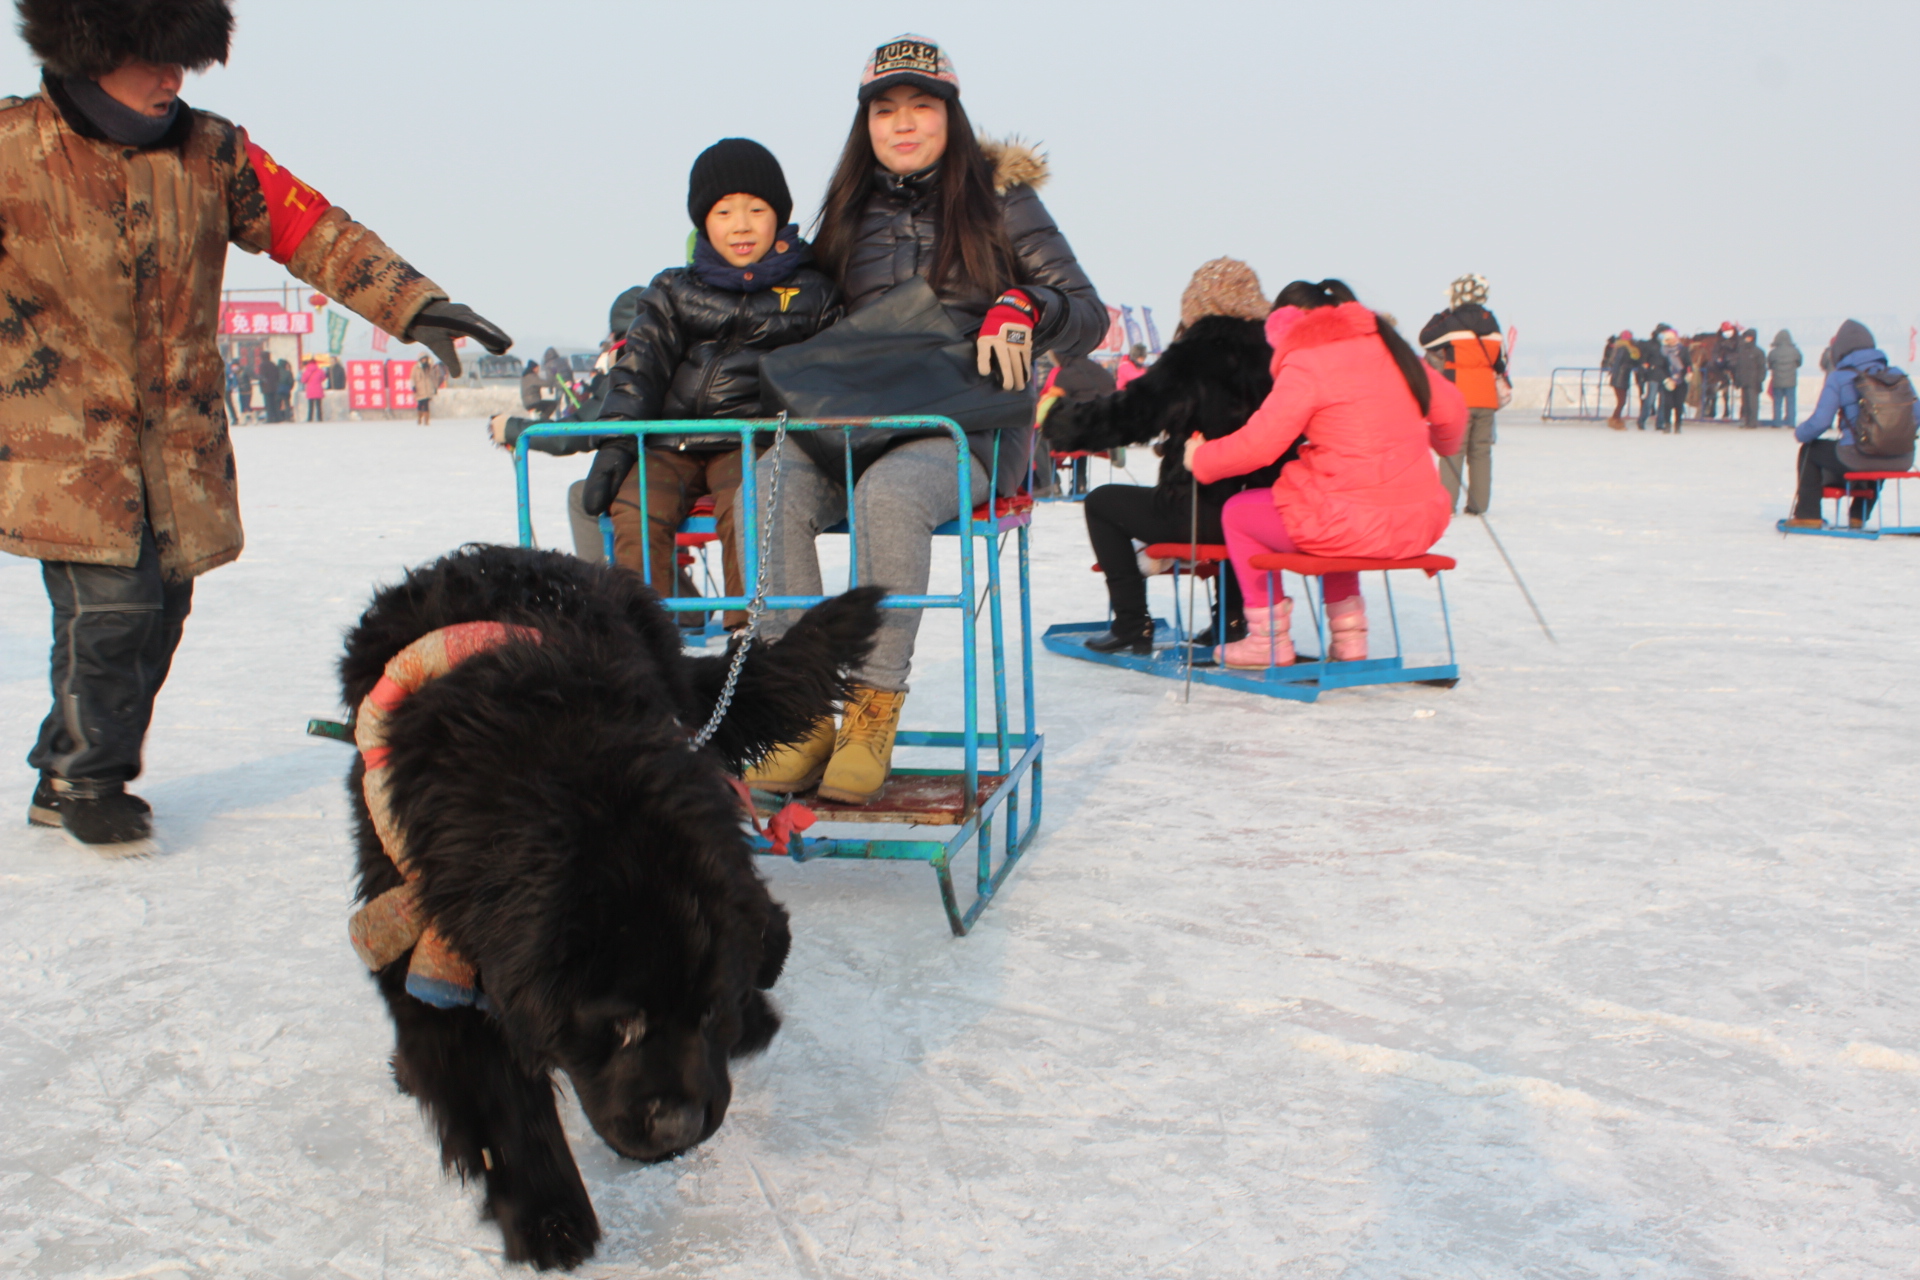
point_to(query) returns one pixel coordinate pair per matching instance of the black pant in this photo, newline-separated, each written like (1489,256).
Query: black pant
(1820,466)
(114,633)
(1119,513)
(1749,406)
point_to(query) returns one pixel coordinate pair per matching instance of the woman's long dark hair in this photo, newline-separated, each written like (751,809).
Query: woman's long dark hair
(971,252)
(1332,293)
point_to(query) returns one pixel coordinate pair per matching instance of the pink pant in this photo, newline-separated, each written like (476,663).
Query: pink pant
(1253,527)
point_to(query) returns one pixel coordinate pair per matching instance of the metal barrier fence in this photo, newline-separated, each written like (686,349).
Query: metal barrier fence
(1577,395)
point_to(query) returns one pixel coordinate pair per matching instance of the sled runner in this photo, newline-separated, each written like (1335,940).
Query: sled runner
(971,800)
(1858,486)
(1301,681)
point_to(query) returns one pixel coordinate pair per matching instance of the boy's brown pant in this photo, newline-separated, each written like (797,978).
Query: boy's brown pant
(675,480)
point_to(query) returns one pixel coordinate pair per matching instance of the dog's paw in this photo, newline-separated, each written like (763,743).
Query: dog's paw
(550,1234)
(848,621)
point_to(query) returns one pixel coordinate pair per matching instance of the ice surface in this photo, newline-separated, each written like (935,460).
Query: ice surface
(1605,968)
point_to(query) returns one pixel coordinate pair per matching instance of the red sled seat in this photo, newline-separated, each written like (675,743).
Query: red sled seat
(1206,563)
(1315,566)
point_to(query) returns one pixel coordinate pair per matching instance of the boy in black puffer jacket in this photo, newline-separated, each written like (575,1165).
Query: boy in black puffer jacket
(1213,376)
(693,351)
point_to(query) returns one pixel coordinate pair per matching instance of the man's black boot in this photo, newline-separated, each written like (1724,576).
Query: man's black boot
(44,809)
(1135,635)
(103,816)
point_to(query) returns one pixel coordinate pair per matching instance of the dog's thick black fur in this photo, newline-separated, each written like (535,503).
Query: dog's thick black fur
(1210,379)
(592,867)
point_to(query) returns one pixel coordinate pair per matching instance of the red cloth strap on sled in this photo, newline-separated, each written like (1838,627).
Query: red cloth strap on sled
(1883,475)
(780,829)
(384,929)
(1313,566)
(292,206)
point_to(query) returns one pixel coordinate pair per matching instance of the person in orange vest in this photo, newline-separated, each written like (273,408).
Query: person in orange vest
(1463,342)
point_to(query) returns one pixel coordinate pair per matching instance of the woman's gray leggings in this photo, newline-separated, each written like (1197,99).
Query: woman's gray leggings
(898,503)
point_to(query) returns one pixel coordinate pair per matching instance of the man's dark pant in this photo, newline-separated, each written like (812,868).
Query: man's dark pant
(1820,465)
(1749,406)
(1119,513)
(114,633)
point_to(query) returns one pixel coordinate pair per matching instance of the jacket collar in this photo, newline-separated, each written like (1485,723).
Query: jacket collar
(790,253)
(1291,329)
(906,187)
(78,121)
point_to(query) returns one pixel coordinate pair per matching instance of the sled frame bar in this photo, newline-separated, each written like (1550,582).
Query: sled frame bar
(1014,772)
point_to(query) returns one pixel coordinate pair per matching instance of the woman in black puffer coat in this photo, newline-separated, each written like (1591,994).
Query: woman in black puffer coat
(917,195)
(1209,380)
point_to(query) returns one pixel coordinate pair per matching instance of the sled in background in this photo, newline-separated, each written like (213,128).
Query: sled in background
(967,799)
(1858,486)
(1305,679)
(1880,480)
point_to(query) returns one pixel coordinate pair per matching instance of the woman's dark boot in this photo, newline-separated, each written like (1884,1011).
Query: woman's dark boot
(1135,635)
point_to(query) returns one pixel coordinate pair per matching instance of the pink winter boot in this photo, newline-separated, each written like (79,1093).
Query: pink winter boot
(1347,629)
(1267,643)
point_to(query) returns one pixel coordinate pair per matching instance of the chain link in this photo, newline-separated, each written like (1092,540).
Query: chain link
(755,606)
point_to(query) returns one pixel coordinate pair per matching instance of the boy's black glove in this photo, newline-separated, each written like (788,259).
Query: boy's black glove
(610,467)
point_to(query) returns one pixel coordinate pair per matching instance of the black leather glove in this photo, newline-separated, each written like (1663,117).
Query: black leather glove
(610,467)
(440,322)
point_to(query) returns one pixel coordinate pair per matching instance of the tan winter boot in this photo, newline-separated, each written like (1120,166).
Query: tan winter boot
(796,766)
(863,755)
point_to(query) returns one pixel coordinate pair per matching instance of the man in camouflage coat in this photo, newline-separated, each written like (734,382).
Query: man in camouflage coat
(117,202)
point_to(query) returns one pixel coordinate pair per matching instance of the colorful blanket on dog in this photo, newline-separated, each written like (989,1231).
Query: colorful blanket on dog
(382,930)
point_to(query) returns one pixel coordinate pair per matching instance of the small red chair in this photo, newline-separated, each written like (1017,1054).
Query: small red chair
(1327,674)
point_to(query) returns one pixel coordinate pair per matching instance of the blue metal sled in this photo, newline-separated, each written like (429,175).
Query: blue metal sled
(970,800)
(1302,681)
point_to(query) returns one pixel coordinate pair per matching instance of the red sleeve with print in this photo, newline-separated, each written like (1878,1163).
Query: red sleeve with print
(292,206)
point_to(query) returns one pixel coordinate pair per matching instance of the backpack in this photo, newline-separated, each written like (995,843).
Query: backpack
(1884,427)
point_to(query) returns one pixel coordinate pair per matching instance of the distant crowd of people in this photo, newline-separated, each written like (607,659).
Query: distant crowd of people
(1676,376)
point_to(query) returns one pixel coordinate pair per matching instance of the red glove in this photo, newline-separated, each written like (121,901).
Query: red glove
(1007,333)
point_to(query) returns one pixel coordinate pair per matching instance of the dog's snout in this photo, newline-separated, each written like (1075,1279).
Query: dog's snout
(674,1126)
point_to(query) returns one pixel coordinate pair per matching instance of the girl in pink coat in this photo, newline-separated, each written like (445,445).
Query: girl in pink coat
(1364,484)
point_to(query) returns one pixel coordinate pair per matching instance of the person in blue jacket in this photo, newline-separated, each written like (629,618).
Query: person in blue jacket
(1826,462)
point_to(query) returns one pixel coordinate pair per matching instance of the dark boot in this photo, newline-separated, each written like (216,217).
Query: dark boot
(1132,634)
(103,816)
(44,809)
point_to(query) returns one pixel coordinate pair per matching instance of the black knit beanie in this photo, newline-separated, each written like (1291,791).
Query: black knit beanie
(736,164)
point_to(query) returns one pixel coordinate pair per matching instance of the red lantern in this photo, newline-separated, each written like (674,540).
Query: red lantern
(317,301)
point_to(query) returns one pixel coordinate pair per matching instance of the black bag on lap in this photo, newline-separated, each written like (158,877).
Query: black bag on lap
(902,356)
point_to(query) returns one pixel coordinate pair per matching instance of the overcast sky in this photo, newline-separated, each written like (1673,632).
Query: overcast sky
(1605,166)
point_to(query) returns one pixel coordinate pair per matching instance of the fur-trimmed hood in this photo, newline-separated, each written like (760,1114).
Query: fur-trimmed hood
(1290,329)
(89,38)
(1015,163)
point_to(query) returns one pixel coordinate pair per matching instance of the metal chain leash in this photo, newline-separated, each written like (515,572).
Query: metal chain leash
(755,606)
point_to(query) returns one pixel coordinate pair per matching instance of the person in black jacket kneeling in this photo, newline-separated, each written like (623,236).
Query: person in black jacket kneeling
(693,351)
(1213,376)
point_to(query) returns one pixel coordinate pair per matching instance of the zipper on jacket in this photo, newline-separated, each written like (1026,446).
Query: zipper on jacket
(731,346)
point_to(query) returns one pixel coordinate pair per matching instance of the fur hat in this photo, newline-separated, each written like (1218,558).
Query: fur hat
(1224,287)
(89,38)
(1467,290)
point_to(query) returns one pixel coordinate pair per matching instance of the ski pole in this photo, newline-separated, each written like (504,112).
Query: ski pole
(1193,572)
(1518,581)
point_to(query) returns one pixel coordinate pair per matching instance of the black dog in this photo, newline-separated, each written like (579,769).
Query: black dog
(570,846)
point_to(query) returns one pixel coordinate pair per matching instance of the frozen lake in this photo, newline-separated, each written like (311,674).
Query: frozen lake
(1603,968)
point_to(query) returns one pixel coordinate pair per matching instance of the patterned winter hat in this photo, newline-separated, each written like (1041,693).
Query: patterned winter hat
(1467,290)
(909,59)
(1224,287)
